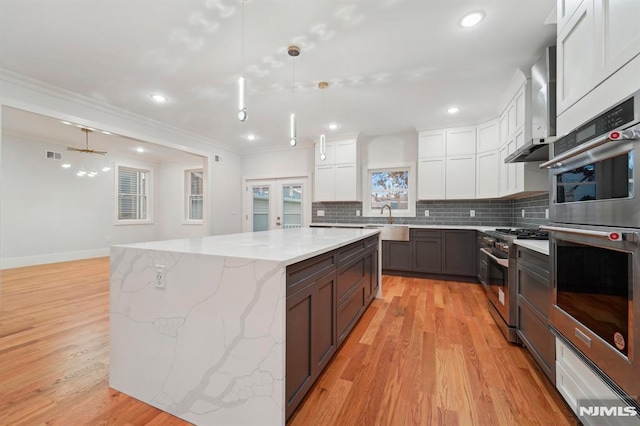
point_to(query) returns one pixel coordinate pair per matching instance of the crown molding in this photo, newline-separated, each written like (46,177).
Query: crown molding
(19,80)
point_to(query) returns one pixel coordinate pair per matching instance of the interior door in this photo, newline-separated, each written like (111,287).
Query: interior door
(276,204)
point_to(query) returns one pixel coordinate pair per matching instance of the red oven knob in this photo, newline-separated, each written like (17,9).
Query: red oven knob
(614,135)
(614,236)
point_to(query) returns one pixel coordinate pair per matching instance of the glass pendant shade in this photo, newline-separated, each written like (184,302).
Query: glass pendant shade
(292,130)
(323,147)
(242,108)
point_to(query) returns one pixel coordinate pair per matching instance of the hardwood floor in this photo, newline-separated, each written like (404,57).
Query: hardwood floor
(427,353)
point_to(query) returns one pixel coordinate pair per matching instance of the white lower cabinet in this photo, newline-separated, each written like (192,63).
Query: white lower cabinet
(577,382)
(488,174)
(460,177)
(336,183)
(431,178)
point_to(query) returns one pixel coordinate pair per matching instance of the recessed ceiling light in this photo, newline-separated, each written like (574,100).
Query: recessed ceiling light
(106,133)
(453,110)
(67,123)
(140,149)
(159,98)
(66,165)
(333,126)
(471,19)
(251,137)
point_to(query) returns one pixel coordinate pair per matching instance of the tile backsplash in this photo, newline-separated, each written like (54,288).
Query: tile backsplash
(506,213)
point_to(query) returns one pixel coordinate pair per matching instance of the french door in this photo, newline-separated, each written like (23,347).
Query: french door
(276,204)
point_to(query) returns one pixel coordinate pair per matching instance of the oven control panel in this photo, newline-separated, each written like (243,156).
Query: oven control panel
(621,115)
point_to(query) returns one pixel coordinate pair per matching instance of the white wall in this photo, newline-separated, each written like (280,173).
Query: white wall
(170,183)
(287,162)
(49,214)
(387,150)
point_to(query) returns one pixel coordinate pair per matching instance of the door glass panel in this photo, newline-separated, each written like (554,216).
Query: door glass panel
(594,287)
(260,208)
(292,206)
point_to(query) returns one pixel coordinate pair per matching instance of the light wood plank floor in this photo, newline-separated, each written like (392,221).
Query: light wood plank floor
(427,353)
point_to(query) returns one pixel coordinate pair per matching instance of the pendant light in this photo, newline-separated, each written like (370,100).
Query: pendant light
(293,51)
(242,82)
(323,140)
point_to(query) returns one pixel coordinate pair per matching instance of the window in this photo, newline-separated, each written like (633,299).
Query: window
(133,194)
(392,186)
(194,182)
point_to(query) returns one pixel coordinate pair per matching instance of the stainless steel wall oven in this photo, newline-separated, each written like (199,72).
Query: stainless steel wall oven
(595,242)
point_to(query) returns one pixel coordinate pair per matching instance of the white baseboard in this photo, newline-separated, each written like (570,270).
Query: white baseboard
(17,262)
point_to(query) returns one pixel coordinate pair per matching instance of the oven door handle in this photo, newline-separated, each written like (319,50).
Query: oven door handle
(630,134)
(501,262)
(611,236)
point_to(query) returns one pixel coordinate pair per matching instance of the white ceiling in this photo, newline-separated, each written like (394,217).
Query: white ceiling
(392,65)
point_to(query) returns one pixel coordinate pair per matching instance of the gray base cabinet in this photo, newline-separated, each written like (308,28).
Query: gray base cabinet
(326,295)
(534,303)
(396,255)
(432,251)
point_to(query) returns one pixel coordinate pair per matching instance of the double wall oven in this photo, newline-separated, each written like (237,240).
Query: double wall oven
(595,242)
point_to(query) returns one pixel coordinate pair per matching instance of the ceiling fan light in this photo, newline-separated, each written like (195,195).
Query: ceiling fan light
(92,174)
(81,173)
(106,168)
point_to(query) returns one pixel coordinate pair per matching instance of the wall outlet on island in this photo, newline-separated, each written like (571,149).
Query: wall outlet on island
(472,213)
(160,277)
(320,213)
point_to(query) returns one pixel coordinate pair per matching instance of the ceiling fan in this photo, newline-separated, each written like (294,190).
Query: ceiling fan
(86,148)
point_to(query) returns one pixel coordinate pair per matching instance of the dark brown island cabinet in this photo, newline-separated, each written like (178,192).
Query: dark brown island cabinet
(326,295)
(534,303)
(435,253)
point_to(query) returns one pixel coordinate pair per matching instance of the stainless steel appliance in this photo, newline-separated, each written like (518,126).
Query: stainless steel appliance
(595,243)
(498,274)
(593,168)
(543,110)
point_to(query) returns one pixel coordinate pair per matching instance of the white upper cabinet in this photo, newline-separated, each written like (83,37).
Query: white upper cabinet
(576,56)
(504,172)
(431,179)
(488,174)
(566,9)
(504,128)
(521,108)
(460,181)
(346,152)
(596,38)
(461,141)
(488,136)
(431,144)
(329,152)
(618,29)
(336,178)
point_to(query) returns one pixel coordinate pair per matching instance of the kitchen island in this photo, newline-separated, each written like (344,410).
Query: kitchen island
(199,327)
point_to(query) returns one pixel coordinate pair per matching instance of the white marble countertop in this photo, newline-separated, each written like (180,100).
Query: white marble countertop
(360,225)
(283,245)
(535,245)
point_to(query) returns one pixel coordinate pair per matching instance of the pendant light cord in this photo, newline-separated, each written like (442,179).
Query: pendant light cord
(242,37)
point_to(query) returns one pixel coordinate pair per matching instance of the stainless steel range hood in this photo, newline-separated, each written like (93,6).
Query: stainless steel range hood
(543,110)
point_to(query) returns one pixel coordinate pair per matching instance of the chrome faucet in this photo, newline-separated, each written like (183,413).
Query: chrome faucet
(390,220)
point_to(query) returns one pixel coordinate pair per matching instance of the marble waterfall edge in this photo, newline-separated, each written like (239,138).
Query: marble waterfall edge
(209,347)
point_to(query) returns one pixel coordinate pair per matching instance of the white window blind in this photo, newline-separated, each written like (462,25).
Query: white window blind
(132,194)
(195,194)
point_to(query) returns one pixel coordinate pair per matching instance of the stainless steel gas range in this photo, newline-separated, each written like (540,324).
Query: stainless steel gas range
(498,273)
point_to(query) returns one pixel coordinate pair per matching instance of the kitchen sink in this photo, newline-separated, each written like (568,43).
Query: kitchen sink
(392,232)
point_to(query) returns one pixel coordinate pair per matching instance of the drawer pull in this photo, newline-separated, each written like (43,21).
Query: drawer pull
(586,339)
